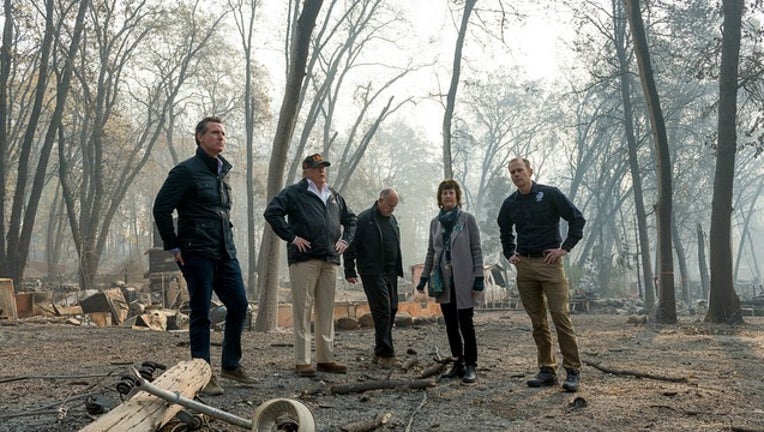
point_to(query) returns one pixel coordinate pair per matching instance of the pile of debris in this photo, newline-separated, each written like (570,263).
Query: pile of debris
(754,306)
(118,305)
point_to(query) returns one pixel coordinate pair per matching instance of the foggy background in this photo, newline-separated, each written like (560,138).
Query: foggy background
(540,81)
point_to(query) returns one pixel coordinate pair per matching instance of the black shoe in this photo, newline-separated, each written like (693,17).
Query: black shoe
(571,381)
(457,371)
(545,378)
(469,375)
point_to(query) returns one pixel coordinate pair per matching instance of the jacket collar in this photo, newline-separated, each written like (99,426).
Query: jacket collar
(212,163)
(376,213)
(532,192)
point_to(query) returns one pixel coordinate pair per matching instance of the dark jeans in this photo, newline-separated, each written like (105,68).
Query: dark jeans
(460,320)
(203,275)
(382,293)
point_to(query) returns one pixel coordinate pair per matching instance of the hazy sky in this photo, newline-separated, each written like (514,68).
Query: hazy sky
(534,43)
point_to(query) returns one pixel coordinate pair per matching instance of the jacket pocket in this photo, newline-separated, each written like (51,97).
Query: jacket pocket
(207,192)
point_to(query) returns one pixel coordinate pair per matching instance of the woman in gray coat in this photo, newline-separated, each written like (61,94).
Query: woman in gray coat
(454,250)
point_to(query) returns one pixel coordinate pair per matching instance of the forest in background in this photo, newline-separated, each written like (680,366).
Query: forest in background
(98,100)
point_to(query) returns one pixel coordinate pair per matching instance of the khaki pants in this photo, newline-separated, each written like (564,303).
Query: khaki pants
(313,282)
(544,286)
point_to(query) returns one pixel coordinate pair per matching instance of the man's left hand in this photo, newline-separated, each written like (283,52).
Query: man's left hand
(552,256)
(341,246)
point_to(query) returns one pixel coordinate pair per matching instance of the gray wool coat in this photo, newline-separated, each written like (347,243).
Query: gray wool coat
(466,258)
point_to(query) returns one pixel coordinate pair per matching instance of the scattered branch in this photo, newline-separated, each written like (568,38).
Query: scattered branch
(42,412)
(635,374)
(410,363)
(433,370)
(419,408)
(378,385)
(57,377)
(367,425)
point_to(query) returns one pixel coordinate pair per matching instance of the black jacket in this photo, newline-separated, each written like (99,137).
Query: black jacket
(367,247)
(308,217)
(202,198)
(536,219)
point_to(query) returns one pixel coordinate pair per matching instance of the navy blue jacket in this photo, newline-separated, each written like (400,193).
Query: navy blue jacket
(308,217)
(202,198)
(536,219)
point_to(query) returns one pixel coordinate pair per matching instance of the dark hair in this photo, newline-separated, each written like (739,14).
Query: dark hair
(201,127)
(450,184)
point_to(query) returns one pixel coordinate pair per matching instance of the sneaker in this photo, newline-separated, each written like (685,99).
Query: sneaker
(545,378)
(332,367)
(571,381)
(457,371)
(305,371)
(469,375)
(389,362)
(212,388)
(238,374)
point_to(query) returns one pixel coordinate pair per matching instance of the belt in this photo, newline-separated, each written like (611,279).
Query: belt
(532,255)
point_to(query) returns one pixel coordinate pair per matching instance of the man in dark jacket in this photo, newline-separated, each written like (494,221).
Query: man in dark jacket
(376,251)
(203,246)
(534,212)
(319,229)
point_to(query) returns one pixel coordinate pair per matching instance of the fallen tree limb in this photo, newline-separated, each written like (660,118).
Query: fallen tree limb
(57,412)
(634,374)
(60,377)
(433,370)
(379,385)
(367,425)
(409,363)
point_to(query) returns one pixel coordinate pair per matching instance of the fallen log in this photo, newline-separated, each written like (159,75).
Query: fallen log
(634,374)
(367,425)
(379,385)
(436,369)
(410,363)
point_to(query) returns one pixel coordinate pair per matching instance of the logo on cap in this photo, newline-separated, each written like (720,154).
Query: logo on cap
(314,161)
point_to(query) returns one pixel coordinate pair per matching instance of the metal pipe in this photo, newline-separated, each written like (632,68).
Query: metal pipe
(176,398)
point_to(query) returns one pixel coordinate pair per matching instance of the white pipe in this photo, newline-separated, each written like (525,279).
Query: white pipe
(176,398)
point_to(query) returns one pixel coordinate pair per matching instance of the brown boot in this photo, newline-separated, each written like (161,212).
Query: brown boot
(212,388)
(238,374)
(332,367)
(389,363)
(306,371)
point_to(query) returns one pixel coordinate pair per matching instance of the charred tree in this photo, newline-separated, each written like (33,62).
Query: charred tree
(724,304)
(270,246)
(666,311)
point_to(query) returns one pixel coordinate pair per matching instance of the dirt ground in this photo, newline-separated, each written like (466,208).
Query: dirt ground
(717,373)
